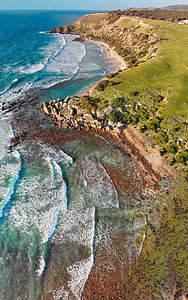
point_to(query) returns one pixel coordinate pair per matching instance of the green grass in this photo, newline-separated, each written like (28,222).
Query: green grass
(128,23)
(138,24)
(165,75)
(167,71)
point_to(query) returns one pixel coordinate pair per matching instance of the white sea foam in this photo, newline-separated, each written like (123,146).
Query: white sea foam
(100,189)
(77,225)
(58,155)
(8,88)
(6,133)
(42,196)
(80,271)
(79,274)
(31,69)
(63,59)
(11,169)
(13,94)
(60,63)
(42,266)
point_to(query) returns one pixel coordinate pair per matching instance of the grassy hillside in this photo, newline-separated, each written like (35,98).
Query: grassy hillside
(165,75)
(176,7)
(168,71)
(171,13)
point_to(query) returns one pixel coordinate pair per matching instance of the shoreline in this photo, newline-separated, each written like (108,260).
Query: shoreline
(68,114)
(109,54)
(112,55)
(134,142)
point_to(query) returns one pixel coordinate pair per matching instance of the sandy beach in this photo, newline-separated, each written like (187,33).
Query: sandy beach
(117,61)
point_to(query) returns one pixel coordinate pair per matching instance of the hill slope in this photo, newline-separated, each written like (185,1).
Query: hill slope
(176,7)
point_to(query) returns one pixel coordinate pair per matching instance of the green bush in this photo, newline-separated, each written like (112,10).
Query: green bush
(182,157)
(112,117)
(170,148)
(162,151)
(157,99)
(163,137)
(89,102)
(142,128)
(118,102)
(144,115)
(99,87)
(103,84)
(134,94)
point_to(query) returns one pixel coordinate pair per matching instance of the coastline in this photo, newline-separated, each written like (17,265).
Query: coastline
(97,190)
(115,63)
(146,158)
(135,143)
(117,60)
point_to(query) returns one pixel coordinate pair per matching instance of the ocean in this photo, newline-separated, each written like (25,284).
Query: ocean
(64,200)
(31,58)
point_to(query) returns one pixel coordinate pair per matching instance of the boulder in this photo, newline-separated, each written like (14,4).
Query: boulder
(67,99)
(116,130)
(66,112)
(88,118)
(100,114)
(53,112)
(111,123)
(52,103)
(108,110)
(58,105)
(42,106)
(119,124)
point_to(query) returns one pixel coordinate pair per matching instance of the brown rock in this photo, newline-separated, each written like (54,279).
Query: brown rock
(66,112)
(42,106)
(100,114)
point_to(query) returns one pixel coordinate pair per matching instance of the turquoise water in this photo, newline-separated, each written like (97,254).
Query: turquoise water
(31,58)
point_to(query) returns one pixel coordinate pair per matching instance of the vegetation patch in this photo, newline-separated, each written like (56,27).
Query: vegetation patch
(163,263)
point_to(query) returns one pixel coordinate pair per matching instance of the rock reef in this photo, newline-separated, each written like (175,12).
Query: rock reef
(69,113)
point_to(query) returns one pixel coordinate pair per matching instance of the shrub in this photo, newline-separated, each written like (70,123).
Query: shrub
(142,128)
(163,137)
(111,75)
(112,117)
(118,102)
(103,84)
(162,151)
(134,94)
(99,87)
(157,99)
(182,157)
(89,102)
(151,126)
(144,115)
(171,148)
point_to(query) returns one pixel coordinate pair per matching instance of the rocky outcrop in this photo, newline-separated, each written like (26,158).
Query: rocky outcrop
(68,113)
